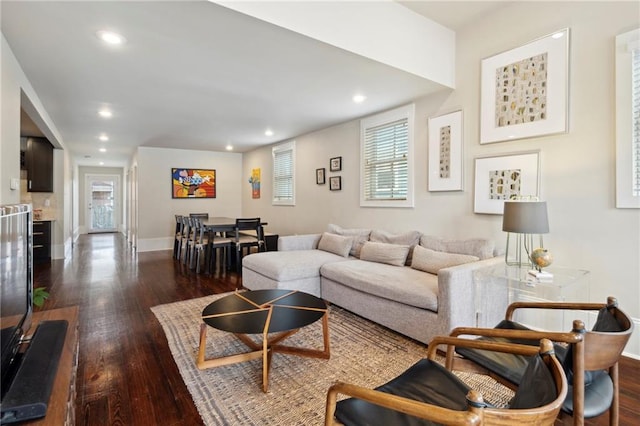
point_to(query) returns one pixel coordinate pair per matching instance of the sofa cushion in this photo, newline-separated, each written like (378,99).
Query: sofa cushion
(479,247)
(400,284)
(411,239)
(432,261)
(335,244)
(289,265)
(391,254)
(360,236)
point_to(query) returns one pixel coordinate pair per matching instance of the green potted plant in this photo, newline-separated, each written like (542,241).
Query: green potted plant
(40,294)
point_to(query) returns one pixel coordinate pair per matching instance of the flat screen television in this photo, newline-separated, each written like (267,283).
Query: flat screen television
(16,284)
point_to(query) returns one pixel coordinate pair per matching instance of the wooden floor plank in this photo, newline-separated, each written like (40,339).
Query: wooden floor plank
(126,374)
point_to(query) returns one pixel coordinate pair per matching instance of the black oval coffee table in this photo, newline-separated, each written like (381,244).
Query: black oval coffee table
(273,314)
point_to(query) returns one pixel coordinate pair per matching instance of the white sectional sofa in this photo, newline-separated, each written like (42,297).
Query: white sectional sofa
(418,285)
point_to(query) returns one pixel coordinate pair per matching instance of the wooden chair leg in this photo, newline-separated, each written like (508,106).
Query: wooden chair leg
(614,410)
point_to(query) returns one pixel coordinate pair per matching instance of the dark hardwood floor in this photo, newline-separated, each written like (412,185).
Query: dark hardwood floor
(126,374)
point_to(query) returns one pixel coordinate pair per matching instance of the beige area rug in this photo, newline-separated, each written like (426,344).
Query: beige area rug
(362,352)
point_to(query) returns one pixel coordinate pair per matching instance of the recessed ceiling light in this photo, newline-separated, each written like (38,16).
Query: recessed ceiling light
(558,35)
(102,163)
(229,147)
(268,132)
(103,137)
(103,149)
(105,113)
(111,38)
(359,98)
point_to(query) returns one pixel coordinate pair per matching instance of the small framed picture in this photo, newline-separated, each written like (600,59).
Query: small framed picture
(320,180)
(500,178)
(335,183)
(335,164)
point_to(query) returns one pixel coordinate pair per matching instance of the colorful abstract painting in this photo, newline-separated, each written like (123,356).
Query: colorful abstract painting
(254,180)
(193,183)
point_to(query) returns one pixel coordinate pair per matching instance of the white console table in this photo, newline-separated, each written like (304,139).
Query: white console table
(500,285)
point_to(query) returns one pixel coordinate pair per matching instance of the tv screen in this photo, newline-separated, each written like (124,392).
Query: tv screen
(16,282)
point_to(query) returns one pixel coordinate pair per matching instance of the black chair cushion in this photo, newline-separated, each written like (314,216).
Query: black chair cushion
(607,322)
(537,387)
(598,395)
(510,367)
(425,381)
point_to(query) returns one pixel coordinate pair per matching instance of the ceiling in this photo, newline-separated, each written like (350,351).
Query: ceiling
(196,75)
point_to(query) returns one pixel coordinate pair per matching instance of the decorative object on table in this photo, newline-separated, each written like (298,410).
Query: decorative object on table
(526,218)
(445,152)
(254,180)
(320,176)
(524,91)
(335,164)
(193,183)
(335,183)
(503,177)
(541,258)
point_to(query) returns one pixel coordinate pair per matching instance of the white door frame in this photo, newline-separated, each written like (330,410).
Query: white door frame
(117,204)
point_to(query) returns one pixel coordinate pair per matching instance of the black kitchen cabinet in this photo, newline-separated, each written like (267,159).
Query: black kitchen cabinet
(41,241)
(39,164)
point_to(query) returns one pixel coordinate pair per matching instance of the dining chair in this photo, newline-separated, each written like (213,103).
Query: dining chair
(198,244)
(177,242)
(187,237)
(429,393)
(248,233)
(590,358)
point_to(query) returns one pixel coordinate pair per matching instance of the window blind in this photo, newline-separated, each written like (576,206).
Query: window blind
(386,149)
(635,143)
(283,170)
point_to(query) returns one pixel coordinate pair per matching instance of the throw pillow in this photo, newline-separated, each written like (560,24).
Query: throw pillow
(391,254)
(432,261)
(411,239)
(479,247)
(335,244)
(360,236)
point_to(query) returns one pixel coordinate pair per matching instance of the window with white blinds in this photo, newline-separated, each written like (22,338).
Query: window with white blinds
(386,159)
(284,173)
(627,69)
(635,144)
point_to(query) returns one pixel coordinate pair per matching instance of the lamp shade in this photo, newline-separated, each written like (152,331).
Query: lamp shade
(525,217)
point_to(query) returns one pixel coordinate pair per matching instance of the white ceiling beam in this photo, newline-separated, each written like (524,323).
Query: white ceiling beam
(384,31)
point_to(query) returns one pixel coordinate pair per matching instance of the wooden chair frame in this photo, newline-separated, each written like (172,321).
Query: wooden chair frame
(592,350)
(477,413)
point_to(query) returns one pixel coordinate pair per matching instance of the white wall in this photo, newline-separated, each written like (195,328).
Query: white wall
(17,92)
(577,168)
(9,124)
(156,208)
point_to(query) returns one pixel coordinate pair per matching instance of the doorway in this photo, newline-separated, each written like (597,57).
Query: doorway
(102,206)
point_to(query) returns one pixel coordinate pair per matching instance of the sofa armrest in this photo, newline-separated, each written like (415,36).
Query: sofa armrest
(456,294)
(298,242)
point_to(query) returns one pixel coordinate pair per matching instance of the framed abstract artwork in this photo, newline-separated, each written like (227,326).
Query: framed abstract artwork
(335,183)
(193,183)
(335,164)
(445,152)
(500,178)
(524,91)
(320,176)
